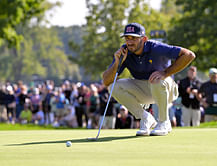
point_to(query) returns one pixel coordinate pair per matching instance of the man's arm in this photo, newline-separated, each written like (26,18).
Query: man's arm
(185,58)
(109,74)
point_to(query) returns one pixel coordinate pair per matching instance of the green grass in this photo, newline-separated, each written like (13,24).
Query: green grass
(182,147)
(212,124)
(5,126)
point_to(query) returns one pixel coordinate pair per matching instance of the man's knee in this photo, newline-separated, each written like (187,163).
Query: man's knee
(161,86)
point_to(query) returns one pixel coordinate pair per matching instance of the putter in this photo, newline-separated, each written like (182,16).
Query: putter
(116,75)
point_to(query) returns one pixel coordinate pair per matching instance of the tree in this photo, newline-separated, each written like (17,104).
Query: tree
(105,22)
(13,13)
(101,36)
(196,29)
(41,53)
(150,18)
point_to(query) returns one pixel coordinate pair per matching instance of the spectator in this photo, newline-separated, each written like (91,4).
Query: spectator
(74,95)
(208,96)
(70,119)
(35,100)
(61,101)
(110,117)
(124,119)
(67,89)
(22,96)
(47,104)
(53,105)
(177,106)
(87,107)
(3,111)
(93,116)
(38,117)
(81,105)
(26,114)
(188,90)
(10,104)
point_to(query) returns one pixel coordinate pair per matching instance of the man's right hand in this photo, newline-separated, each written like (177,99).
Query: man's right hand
(118,53)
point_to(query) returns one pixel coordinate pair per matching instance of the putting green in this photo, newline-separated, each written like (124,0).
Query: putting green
(182,147)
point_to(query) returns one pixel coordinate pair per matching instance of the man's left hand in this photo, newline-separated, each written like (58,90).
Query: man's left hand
(156,77)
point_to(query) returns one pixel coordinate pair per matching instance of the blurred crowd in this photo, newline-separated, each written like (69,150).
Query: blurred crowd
(71,105)
(79,105)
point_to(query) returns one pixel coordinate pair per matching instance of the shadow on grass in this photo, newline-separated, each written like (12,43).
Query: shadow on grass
(84,140)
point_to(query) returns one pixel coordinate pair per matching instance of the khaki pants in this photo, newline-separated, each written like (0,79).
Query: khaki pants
(189,114)
(133,94)
(3,113)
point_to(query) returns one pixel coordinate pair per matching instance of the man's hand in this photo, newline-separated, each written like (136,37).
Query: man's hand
(118,53)
(156,77)
(194,91)
(205,104)
(109,74)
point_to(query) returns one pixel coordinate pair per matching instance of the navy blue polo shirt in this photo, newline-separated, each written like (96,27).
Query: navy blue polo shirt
(156,56)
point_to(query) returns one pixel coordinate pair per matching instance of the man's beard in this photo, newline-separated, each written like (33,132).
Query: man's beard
(137,48)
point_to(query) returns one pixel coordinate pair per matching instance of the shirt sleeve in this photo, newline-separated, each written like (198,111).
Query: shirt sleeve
(162,49)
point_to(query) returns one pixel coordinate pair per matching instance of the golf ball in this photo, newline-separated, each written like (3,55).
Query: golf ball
(68,143)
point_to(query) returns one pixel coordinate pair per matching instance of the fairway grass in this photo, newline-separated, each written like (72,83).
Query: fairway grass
(182,147)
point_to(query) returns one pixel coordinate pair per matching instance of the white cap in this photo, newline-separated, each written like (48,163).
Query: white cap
(123,107)
(212,71)
(9,88)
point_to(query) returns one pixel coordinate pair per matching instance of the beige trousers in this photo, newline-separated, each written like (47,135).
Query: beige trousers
(189,114)
(134,94)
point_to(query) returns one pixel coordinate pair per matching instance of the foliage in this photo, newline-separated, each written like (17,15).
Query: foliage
(101,39)
(13,13)
(41,54)
(68,34)
(196,29)
(105,23)
(150,18)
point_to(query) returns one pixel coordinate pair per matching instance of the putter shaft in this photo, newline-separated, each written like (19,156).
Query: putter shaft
(116,75)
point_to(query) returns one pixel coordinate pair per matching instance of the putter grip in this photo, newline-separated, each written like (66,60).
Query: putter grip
(120,61)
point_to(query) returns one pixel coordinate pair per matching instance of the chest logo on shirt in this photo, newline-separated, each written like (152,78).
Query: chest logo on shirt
(150,61)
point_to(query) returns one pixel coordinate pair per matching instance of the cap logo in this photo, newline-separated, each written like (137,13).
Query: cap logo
(130,29)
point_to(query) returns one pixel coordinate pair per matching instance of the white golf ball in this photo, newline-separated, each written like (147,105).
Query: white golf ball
(68,143)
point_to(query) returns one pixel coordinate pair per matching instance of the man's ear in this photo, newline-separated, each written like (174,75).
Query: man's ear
(145,38)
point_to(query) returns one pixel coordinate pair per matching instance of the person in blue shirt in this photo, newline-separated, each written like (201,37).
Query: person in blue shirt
(149,62)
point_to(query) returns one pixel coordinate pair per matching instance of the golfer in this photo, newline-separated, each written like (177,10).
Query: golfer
(149,62)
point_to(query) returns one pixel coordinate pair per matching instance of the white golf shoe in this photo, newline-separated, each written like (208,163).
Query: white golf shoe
(162,128)
(145,125)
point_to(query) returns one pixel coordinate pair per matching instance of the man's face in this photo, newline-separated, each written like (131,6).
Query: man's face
(213,77)
(134,43)
(192,72)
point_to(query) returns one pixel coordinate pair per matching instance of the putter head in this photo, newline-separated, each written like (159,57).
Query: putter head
(92,139)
